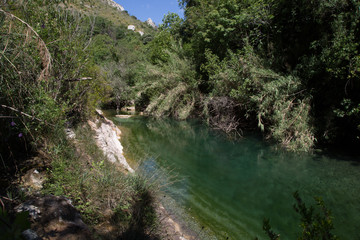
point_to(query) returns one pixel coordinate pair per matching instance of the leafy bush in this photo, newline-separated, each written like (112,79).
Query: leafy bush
(316,223)
(170,86)
(44,85)
(279,103)
(13,228)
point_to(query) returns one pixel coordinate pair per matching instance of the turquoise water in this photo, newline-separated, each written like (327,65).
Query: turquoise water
(229,187)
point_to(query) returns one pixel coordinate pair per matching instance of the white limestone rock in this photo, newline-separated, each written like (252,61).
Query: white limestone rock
(151,23)
(115,5)
(107,136)
(131,27)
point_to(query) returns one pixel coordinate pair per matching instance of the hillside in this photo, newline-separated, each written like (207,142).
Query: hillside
(110,10)
(56,67)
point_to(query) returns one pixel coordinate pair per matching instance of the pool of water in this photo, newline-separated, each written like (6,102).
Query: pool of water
(229,187)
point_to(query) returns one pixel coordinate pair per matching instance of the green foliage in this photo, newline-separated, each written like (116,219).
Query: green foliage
(102,48)
(98,187)
(157,49)
(277,102)
(226,24)
(294,54)
(43,63)
(12,228)
(325,59)
(173,24)
(169,86)
(316,223)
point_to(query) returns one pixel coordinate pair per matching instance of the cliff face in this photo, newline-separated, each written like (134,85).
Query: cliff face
(114,4)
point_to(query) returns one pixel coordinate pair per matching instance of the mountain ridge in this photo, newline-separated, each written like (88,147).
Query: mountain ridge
(115,5)
(112,11)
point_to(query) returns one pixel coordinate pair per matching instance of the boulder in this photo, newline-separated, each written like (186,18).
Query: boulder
(55,218)
(33,179)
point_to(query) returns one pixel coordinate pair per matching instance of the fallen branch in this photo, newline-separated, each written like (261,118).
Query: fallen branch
(25,114)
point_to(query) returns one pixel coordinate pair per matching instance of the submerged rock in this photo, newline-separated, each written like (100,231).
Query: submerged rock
(123,116)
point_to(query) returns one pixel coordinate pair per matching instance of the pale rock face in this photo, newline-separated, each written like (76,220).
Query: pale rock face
(131,27)
(115,5)
(107,138)
(151,23)
(141,33)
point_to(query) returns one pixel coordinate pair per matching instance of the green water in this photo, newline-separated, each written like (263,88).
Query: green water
(229,187)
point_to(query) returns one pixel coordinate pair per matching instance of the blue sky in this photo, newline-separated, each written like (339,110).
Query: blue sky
(154,9)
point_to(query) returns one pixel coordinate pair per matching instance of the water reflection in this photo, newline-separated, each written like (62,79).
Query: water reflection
(231,186)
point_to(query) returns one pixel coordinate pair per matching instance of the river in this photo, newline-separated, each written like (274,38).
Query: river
(228,187)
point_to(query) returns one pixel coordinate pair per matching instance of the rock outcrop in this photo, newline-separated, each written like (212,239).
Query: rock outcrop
(151,23)
(107,136)
(131,27)
(114,4)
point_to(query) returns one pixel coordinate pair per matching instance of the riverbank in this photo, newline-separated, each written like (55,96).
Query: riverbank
(86,169)
(108,139)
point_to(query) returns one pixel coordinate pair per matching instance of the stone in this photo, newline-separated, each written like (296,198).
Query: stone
(33,179)
(55,218)
(70,134)
(115,5)
(131,27)
(151,23)
(30,235)
(123,116)
(107,136)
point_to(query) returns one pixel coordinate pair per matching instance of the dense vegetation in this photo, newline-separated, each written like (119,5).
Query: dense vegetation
(289,68)
(52,77)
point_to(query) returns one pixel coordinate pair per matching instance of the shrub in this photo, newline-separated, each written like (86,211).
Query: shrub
(316,223)
(279,103)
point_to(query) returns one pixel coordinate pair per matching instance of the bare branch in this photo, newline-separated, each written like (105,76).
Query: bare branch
(25,114)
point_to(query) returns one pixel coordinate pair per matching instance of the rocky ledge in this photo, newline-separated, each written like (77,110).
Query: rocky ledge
(107,136)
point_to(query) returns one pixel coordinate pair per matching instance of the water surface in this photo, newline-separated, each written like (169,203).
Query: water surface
(230,187)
